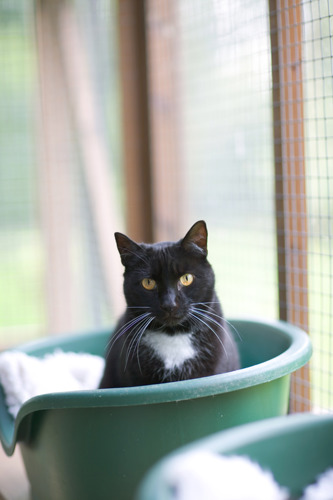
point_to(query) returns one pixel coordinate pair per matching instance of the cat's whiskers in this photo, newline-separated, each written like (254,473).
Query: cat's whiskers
(127,326)
(209,315)
(194,313)
(134,344)
(217,315)
(139,338)
(132,336)
(234,329)
(197,322)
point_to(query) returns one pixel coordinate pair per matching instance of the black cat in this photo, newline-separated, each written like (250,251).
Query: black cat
(173,328)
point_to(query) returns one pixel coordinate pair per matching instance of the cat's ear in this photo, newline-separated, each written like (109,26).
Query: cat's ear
(196,238)
(127,248)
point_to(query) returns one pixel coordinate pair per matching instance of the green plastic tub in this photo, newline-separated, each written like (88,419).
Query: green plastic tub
(296,448)
(99,444)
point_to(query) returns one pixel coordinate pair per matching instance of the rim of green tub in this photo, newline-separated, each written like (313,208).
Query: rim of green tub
(227,442)
(296,355)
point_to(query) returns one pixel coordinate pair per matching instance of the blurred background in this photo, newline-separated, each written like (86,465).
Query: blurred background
(146,116)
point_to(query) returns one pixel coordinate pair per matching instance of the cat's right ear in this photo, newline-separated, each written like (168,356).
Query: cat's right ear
(196,238)
(128,249)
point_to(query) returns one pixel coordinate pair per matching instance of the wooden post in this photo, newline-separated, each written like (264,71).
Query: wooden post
(290,191)
(136,130)
(164,105)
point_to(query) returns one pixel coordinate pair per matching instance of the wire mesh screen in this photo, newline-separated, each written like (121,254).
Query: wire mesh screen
(252,85)
(61,185)
(20,264)
(317,24)
(223,139)
(228,138)
(240,120)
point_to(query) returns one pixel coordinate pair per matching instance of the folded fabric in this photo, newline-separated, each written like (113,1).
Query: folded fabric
(23,376)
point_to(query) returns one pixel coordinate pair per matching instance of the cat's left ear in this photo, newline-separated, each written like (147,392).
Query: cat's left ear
(128,249)
(196,238)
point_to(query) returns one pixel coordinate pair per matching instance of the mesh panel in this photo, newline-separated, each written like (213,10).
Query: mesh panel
(253,84)
(318,125)
(240,98)
(20,249)
(60,162)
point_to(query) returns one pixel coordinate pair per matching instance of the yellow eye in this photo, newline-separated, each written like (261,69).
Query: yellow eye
(148,283)
(186,279)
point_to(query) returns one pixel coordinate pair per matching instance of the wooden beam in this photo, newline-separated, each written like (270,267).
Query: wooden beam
(165,117)
(290,189)
(136,129)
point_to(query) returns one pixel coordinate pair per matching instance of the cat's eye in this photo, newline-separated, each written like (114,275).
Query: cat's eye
(148,283)
(186,279)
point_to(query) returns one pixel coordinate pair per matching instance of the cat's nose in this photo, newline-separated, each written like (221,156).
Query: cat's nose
(168,303)
(169,308)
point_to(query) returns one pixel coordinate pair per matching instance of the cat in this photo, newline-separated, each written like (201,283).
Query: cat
(173,328)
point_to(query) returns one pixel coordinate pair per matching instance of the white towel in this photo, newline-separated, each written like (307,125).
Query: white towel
(205,475)
(322,490)
(23,376)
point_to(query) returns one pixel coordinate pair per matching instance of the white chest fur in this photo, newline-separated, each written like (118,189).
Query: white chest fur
(173,350)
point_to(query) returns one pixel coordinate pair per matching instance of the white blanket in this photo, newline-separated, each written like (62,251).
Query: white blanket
(24,377)
(201,475)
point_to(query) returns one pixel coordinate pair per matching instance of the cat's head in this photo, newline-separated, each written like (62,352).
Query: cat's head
(166,279)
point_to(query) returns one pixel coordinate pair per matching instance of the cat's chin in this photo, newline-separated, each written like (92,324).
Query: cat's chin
(171,325)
